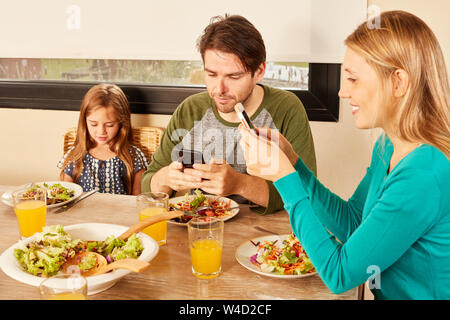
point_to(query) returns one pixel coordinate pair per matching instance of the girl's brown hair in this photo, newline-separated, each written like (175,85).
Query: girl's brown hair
(403,41)
(103,96)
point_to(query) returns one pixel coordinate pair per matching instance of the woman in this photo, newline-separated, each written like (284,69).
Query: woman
(395,229)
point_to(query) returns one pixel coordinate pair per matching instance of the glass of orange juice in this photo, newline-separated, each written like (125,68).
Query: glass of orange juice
(151,204)
(64,287)
(31,210)
(206,243)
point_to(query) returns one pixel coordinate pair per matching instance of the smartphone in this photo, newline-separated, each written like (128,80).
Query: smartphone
(243,116)
(189,157)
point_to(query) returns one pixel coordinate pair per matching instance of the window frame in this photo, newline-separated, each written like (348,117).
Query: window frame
(321,100)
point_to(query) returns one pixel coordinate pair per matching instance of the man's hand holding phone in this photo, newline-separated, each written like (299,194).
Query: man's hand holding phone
(188,157)
(218,177)
(177,176)
(177,179)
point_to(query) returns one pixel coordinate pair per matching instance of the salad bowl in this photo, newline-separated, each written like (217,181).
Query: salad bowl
(84,231)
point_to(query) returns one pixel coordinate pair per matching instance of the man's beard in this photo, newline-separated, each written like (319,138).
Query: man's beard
(229,107)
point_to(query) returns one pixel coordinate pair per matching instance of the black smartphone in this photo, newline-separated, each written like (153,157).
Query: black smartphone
(189,157)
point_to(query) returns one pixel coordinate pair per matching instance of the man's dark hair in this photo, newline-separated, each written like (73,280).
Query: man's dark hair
(234,34)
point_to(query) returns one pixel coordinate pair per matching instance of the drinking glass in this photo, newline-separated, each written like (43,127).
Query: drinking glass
(205,243)
(31,209)
(151,204)
(64,287)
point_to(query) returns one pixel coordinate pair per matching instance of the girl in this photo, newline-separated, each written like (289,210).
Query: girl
(395,229)
(103,156)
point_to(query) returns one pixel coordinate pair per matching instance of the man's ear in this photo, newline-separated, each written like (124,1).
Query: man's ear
(400,79)
(259,73)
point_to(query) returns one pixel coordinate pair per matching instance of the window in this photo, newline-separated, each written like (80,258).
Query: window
(152,86)
(285,75)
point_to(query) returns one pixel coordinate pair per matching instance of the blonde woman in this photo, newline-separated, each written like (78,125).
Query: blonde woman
(395,229)
(103,156)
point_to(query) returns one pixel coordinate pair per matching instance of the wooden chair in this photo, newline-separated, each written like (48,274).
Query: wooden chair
(146,138)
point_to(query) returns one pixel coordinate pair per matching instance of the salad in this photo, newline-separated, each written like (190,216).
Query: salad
(53,247)
(288,258)
(56,193)
(189,205)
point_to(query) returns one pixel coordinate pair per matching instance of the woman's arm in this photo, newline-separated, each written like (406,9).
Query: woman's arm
(397,219)
(340,217)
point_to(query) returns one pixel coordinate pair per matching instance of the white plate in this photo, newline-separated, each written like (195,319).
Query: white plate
(247,249)
(78,190)
(84,231)
(233,203)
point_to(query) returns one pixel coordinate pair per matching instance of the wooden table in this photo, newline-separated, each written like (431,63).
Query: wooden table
(169,276)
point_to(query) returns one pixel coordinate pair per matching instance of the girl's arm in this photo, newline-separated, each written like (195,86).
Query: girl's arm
(141,163)
(137,182)
(67,178)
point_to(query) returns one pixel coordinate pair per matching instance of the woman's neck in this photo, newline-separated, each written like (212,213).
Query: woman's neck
(401,149)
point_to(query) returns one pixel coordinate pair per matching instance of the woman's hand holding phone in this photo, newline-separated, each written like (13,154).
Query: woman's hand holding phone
(263,157)
(276,137)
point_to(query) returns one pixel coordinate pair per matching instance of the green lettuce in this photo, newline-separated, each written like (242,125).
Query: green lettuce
(131,249)
(47,254)
(198,200)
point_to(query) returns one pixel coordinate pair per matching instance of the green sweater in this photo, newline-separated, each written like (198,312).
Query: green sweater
(397,224)
(197,125)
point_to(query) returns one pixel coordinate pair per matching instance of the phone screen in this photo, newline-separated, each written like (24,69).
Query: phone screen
(189,157)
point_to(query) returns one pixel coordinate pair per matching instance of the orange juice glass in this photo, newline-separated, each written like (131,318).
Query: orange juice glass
(151,204)
(206,243)
(64,287)
(31,211)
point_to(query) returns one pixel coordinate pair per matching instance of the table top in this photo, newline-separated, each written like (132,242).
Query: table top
(169,276)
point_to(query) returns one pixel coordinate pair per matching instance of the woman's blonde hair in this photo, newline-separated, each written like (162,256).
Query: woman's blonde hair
(403,41)
(104,96)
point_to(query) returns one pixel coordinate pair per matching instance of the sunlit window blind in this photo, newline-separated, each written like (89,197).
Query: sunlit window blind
(293,30)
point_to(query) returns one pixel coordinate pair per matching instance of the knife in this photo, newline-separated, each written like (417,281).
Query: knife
(70,205)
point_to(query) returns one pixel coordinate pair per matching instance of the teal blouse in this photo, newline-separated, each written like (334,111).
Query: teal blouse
(393,231)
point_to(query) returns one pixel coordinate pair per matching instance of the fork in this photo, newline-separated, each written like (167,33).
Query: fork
(230,208)
(265,230)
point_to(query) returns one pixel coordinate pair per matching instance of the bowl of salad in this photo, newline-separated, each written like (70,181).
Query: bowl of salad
(276,256)
(192,206)
(33,259)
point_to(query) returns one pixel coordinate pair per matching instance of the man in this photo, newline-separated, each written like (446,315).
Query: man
(234,55)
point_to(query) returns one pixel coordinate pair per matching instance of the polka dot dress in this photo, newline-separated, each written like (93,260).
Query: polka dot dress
(108,176)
